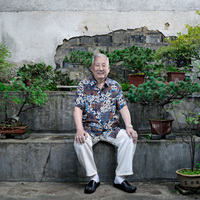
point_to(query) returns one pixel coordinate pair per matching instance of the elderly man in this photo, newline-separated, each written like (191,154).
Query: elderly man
(98,100)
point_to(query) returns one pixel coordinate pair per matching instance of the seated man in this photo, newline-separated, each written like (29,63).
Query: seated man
(98,100)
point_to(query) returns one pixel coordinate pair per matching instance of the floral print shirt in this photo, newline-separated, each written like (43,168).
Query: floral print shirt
(100,106)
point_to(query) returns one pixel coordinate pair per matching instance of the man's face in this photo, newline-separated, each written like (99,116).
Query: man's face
(101,68)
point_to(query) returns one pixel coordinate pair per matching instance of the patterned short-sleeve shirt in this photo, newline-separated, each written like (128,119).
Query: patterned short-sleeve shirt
(100,106)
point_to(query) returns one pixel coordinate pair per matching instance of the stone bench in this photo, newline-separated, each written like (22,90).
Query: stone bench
(51,157)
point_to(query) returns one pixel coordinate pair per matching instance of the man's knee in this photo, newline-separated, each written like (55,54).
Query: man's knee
(86,144)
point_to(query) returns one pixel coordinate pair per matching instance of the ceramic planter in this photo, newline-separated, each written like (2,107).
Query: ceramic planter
(161,127)
(14,130)
(136,79)
(175,76)
(188,181)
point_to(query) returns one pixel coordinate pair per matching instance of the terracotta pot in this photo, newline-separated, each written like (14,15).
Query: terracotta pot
(13,130)
(136,79)
(188,181)
(175,76)
(161,127)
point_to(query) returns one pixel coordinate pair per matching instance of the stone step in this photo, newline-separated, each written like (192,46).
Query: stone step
(51,157)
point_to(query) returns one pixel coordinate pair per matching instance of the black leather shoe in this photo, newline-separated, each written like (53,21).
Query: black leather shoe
(91,187)
(126,187)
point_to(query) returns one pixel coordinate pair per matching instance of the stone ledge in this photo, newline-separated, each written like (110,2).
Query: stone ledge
(51,157)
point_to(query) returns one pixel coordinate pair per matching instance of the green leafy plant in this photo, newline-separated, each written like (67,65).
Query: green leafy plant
(148,136)
(187,133)
(80,57)
(181,50)
(38,70)
(156,91)
(125,86)
(60,78)
(136,59)
(26,96)
(5,64)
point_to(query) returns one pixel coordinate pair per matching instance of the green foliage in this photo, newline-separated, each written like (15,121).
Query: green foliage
(156,91)
(30,96)
(60,78)
(181,50)
(5,64)
(136,59)
(190,172)
(80,57)
(148,136)
(38,70)
(125,86)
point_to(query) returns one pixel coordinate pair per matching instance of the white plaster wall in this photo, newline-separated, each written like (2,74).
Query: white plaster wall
(33,29)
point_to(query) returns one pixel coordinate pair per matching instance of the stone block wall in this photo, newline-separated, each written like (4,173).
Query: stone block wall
(57,115)
(115,40)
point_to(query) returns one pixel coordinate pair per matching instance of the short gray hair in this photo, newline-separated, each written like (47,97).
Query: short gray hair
(99,55)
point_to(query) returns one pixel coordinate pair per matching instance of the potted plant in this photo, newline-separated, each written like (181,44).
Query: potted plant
(189,178)
(180,52)
(83,58)
(62,81)
(156,91)
(25,96)
(40,71)
(137,60)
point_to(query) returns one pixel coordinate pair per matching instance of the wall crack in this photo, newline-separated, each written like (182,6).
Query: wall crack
(45,165)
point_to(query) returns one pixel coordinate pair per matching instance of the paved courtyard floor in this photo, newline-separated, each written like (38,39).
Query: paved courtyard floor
(74,191)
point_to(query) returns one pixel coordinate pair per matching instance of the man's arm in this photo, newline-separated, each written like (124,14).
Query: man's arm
(127,120)
(81,135)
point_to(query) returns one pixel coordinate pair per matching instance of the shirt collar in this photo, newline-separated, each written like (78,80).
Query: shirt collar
(94,82)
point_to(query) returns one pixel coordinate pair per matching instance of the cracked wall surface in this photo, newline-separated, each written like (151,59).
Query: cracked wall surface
(115,40)
(32,30)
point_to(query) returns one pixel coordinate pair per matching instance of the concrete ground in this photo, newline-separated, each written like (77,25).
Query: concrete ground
(74,191)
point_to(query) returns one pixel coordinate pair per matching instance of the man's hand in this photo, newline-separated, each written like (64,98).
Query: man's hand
(132,133)
(81,136)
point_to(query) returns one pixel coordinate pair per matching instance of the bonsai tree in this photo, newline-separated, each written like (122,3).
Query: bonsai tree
(60,79)
(39,71)
(136,59)
(187,133)
(156,91)
(80,57)
(26,96)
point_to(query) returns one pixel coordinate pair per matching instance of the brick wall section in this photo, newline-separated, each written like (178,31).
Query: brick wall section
(119,39)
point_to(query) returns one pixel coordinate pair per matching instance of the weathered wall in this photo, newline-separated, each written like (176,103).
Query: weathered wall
(57,115)
(52,158)
(115,40)
(32,30)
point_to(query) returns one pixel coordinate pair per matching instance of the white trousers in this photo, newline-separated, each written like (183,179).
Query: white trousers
(125,153)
